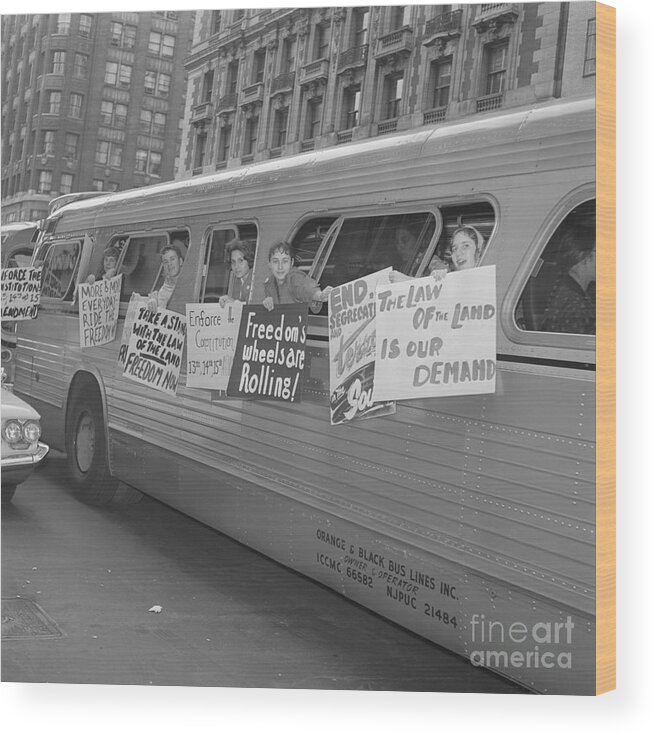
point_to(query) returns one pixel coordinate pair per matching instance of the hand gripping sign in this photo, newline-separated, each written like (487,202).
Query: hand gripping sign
(437,338)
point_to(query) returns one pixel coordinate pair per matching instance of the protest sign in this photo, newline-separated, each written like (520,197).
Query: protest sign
(437,338)
(21,293)
(212,332)
(270,354)
(351,320)
(135,303)
(99,305)
(154,352)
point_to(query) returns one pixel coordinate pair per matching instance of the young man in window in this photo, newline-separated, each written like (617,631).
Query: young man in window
(172,260)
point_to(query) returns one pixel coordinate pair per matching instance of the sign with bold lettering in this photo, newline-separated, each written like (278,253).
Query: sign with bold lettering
(437,338)
(154,352)
(99,304)
(352,325)
(270,354)
(21,293)
(212,332)
(135,303)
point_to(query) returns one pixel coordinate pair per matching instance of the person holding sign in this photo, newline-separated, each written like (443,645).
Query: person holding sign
(172,260)
(288,284)
(109,265)
(241,282)
(465,251)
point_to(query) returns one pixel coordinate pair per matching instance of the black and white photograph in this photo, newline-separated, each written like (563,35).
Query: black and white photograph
(299,350)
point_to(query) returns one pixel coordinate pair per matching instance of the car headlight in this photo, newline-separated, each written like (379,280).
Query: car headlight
(13,432)
(31,431)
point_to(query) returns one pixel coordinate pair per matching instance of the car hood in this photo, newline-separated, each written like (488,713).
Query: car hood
(15,408)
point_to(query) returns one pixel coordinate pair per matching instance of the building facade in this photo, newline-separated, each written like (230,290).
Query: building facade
(274,82)
(89,102)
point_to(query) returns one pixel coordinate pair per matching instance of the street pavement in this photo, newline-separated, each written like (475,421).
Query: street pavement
(229,616)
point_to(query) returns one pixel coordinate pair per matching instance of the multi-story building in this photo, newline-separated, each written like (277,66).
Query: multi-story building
(89,102)
(273,82)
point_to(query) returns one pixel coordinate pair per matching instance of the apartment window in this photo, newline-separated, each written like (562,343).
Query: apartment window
(75,105)
(141,161)
(351,103)
(115,156)
(113,113)
(86,22)
(321,42)
(122,35)
(161,44)
(45,182)
(313,120)
(98,185)
(393,95)
(159,123)
(252,128)
(288,55)
(360,26)
(109,153)
(440,74)
(224,143)
(590,49)
(58,62)
(102,152)
(111,73)
(199,149)
(70,145)
(163,85)
(145,121)
(149,82)
(66,184)
(496,59)
(208,86)
(154,164)
(53,102)
(63,23)
(48,143)
(80,66)
(232,77)
(258,66)
(398,17)
(216,21)
(124,75)
(280,126)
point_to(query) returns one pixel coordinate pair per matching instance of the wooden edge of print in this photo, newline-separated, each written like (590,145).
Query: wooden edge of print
(606,349)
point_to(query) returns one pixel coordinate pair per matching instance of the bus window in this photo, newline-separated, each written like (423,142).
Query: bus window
(307,241)
(217,259)
(20,258)
(479,215)
(559,295)
(141,261)
(59,269)
(217,265)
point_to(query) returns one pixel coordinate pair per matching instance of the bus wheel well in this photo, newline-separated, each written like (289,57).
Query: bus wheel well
(86,442)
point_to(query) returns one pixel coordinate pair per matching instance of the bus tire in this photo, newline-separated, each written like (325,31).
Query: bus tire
(8,493)
(86,450)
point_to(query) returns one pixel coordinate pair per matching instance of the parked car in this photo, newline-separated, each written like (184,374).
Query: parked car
(21,449)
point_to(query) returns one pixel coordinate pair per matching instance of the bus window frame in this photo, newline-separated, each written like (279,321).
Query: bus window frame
(325,250)
(70,295)
(535,339)
(128,236)
(233,225)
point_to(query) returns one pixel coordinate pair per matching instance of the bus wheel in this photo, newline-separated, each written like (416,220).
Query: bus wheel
(8,493)
(86,450)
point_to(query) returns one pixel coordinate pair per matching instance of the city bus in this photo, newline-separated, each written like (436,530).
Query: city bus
(469,520)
